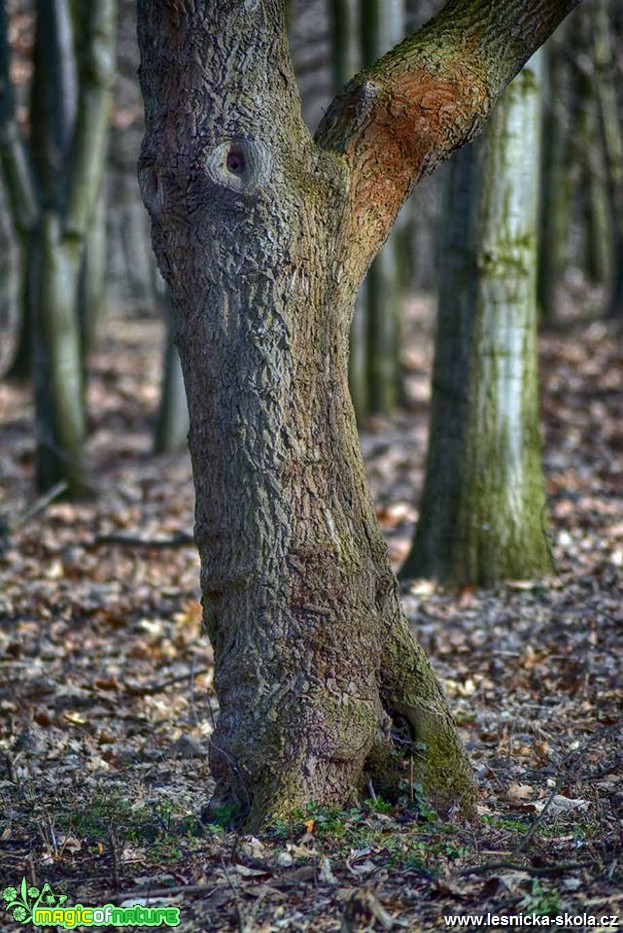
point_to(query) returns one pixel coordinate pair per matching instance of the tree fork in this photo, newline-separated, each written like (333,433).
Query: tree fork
(263,236)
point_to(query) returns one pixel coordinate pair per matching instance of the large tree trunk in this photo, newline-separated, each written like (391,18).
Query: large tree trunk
(482,512)
(264,236)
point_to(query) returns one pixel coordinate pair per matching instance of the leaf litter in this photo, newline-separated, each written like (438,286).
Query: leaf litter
(107,702)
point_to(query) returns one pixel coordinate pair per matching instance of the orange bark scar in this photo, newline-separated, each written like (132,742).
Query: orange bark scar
(415,121)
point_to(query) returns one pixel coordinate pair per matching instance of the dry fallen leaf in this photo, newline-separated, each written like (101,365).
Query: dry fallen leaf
(517,793)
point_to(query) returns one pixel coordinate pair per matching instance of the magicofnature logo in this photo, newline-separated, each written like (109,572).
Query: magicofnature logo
(44,907)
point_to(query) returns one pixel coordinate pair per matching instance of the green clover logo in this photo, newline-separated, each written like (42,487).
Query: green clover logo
(23,901)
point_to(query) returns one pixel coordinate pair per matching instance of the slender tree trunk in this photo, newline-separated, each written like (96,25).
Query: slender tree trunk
(59,387)
(347,59)
(53,185)
(482,511)
(92,287)
(598,222)
(263,236)
(556,179)
(607,80)
(21,364)
(21,192)
(383,27)
(9,306)
(172,423)
(58,370)
(69,152)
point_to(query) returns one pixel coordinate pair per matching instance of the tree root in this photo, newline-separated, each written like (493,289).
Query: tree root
(410,689)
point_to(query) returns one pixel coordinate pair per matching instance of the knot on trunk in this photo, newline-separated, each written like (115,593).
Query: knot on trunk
(243,165)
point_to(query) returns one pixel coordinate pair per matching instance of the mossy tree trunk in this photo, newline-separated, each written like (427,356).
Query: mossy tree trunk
(264,235)
(53,185)
(482,510)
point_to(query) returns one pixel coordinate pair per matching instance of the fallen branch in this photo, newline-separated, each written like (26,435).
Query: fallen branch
(557,869)
(178,539)
(8,526)
(151,689)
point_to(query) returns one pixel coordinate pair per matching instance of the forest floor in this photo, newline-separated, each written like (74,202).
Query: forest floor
(106,700)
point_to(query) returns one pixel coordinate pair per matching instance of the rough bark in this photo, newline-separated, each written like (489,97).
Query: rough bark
(263,236)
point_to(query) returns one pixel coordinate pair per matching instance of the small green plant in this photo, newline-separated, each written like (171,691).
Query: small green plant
(506,823)
(542,900)
(226,816)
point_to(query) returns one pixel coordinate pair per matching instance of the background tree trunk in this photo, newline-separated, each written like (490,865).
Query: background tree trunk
(609,104)
(92,287)
(172,422)
(482,510)
(10,284)
(53,187)
(382,27)
(347,59)
(556,186)
(21,195)
(598,258)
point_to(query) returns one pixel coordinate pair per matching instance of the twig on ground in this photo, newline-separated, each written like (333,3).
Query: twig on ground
(239,911)
(151,689)
(7,526)
(555,869)
(562,776)
(178,539)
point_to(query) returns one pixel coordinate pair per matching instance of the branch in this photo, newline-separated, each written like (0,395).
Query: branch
(88,154)
(14,155)
(400,118)
(177,539)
